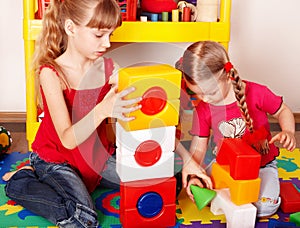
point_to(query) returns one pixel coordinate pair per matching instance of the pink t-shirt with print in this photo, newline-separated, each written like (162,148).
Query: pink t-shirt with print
(227,121)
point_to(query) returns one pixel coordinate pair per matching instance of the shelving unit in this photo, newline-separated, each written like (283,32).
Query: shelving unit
(130,31)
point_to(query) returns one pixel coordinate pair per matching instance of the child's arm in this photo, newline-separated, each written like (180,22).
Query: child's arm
(191,167)
(73,134)
(198,148)
(286,121)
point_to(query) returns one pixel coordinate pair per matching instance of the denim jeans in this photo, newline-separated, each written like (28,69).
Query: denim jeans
(110,178)
(54,191)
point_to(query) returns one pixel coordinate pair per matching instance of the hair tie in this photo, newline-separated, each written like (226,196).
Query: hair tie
(181,60)
(228,66)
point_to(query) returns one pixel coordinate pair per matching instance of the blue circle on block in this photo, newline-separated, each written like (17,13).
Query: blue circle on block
(149,204)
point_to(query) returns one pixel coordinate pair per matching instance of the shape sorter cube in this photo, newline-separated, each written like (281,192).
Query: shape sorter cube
(145,154)
(243,160)
(290,197)
(148,203)
(236,216)
(241,191)
(159,86)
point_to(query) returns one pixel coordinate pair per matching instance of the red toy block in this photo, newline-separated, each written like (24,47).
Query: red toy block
(148,203)
(290,197)
(243,160)
(42,5)
(128,9)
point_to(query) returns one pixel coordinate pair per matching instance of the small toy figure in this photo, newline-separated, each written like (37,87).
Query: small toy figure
(158,6)
(5,141)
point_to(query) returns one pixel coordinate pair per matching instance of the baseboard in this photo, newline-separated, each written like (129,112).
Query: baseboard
(12,117)
(20,117)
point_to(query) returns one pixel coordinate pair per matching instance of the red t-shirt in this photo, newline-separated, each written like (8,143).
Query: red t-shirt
(227,121)
(89,158)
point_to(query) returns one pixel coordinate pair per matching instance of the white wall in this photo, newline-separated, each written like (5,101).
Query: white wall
(264,47)
(12,70)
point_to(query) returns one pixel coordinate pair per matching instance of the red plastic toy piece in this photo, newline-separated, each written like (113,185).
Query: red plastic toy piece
(128,9)
(243,160)
(148,203)
(290,197)
(148,153)
(42,5)
(158,6)
(154,101)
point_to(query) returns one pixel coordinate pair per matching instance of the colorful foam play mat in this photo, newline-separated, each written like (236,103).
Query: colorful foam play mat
(107,201)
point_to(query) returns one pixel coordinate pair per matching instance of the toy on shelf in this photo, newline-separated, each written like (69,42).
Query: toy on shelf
(158,6)
(202,196)
(128,9)
(290,197)
(42,6)
(207,10)
(5,141)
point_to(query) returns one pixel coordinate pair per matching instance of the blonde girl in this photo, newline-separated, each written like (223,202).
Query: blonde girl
(231,107)
(78,91)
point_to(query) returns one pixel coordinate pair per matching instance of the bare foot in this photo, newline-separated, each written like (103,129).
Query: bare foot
(8,175)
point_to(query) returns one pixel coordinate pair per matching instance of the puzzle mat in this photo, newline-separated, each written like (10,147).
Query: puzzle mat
(107,200)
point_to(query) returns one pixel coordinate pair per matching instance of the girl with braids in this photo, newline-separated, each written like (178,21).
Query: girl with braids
(231,107)
(71,151)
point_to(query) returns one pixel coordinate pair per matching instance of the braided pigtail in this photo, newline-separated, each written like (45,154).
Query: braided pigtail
(239,90)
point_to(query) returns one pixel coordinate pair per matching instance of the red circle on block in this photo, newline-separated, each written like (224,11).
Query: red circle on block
(148,153)
(154,100)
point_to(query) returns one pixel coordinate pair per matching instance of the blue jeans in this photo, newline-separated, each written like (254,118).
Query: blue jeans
(54,191)
(110,178)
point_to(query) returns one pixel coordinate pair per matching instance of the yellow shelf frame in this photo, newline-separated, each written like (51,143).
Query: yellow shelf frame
(130,31)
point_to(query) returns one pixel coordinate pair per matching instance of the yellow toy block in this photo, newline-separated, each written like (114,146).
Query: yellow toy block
(241,191)
(159,86)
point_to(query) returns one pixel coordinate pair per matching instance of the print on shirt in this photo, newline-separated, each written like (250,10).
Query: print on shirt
(234,128)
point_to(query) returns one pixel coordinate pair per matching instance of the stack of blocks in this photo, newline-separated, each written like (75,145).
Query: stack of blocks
(236,178)
(145,147)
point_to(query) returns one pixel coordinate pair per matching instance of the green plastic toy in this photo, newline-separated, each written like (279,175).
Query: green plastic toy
(202,196)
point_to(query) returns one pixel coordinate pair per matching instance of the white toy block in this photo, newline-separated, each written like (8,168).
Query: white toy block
(236,216)
(128,141)
(129,170)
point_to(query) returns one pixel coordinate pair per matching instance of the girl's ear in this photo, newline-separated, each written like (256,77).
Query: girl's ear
(69,27)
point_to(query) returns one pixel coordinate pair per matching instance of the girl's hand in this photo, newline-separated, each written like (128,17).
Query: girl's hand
(117,106)
(192,168)
(287,139)
(197,176)
(194,180)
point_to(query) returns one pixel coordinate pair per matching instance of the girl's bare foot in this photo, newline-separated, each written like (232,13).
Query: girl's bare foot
(8,175)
